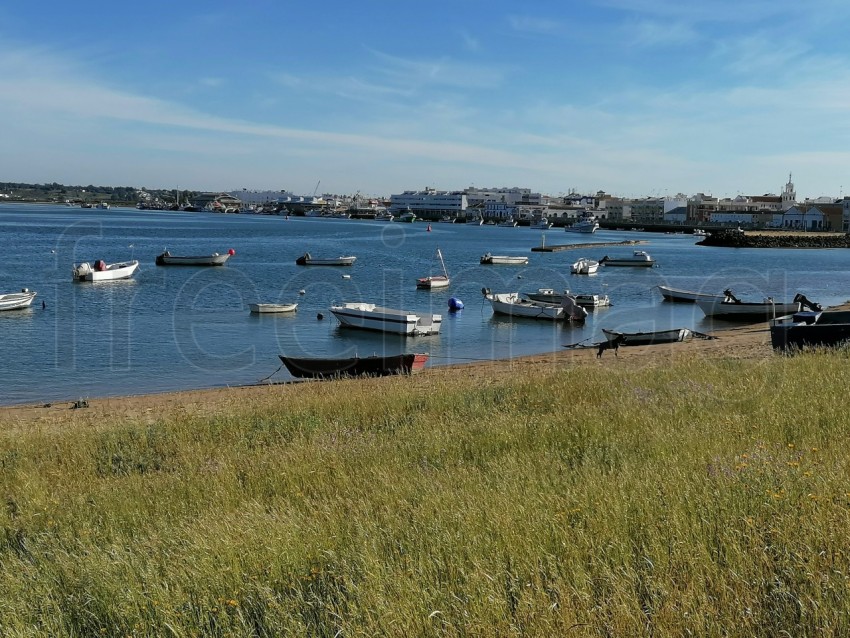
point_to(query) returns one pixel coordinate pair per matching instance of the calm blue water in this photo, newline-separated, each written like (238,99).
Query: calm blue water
(181,328)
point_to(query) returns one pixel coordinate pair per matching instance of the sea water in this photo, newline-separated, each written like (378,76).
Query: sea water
(176,328)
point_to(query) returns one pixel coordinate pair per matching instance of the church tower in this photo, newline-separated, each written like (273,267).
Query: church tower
(789,196)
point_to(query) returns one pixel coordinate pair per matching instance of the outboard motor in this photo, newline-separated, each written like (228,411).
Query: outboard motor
(806,303)
(730,296)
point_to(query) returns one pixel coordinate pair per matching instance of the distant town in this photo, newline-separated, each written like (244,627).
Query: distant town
(512,205)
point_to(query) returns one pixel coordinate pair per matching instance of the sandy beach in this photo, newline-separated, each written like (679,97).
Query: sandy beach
(750,341)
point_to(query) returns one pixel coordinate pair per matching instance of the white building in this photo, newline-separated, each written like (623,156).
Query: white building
(429,203)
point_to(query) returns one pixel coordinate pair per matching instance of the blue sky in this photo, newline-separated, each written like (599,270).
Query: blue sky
(634,97)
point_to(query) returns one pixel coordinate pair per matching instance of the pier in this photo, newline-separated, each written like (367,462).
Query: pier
(554,248)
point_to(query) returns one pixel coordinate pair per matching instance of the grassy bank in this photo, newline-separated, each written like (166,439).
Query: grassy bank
(704,496)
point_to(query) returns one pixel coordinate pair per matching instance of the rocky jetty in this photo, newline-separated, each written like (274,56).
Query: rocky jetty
(734,238)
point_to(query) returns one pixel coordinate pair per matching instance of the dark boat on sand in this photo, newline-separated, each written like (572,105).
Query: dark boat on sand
(829,328)
(375,366)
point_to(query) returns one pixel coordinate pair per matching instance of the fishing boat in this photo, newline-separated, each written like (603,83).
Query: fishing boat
(732,308)
(17,300)
(375,365)
(308,260)
(510,222)
(513,260)
(272,308)
(584,225)
(101,271)
(474,221)
(584,266)
(513,304)
(829,328)
(447,219)
(686,296)
(407,217)
(435,281)
(648,338)
(215,259)
(541,224)
(368,316)
(549,296)
(639,258)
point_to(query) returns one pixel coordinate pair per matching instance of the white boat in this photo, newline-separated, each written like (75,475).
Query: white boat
(699,232)
(584,266)
(103,206)
(368,316)
(101,271)
(515,305)
(730,307)
(593,301)
(686,296)
(269,308)
(648,338)
(639,258)
(584,225)
(514,260)
(17,300)
(446,219)
(215,259)
(308,260)
(407,217)
(474,221)
(541,224)
(435,281)
(510,222)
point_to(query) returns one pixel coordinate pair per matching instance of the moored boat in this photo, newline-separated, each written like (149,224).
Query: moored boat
(435,281)
(215,259)
(272,308)
(639,258)
(732,308)
(510,222)
(549,296)
(474,221)
(677,295)
(584,225)
(648,338)
(101,271)
(513,304)
(584,266)
(17,300)
(308,260)
(828,328)
(375,365)
(541,224)
(516,260)
(368,316)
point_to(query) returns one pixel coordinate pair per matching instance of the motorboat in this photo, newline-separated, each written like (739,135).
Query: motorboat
(828,328)
(583,225)
(215,259)
(408,217)
(308,260)
(510,222)
(272,308)
(550,296)
(474,221)
(593,301)
(435,281)
(514,304)
(541,224)
(368,316)
(101,271)
(686,296)
(584,266)
(17,300)
(639,258)
(732,308)
(513,260)
(648,338)
(447,219)
(375,365)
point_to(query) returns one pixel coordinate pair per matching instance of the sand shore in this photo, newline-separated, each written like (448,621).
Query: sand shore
(735,342)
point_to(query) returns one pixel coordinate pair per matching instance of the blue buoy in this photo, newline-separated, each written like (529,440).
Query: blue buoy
(455,304)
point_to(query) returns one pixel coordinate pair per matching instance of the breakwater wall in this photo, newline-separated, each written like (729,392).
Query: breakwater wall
(733,238)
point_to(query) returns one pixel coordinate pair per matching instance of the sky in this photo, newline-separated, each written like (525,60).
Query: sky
(634,97)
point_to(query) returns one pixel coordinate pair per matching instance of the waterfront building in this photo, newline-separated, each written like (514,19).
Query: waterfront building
(430,203)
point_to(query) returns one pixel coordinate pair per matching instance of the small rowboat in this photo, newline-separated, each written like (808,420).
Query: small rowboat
(17,300)
(376,365)
(686,296)
(511,260)
(215,259)
(648,338)
(270,308)
(308,260)
(101,271)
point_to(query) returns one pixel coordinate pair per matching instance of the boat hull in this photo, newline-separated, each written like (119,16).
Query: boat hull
(512,305)
(746,311)
(307,260)
(584,267)
(318,368)
(431,283)
(272,308)
(648,338)
(506,260)
(16,300)
(195,260)
(828,329)
(370,317)
(676,295)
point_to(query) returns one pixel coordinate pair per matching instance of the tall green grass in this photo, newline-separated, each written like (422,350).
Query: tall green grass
(708,498)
